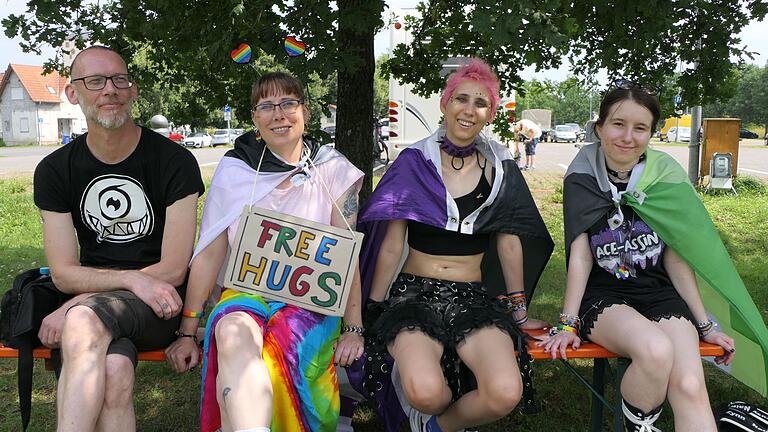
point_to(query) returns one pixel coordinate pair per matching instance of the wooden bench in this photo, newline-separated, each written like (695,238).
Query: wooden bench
(593,351)
(601,356)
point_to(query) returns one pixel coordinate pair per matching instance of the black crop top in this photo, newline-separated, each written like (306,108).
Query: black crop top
(439,241)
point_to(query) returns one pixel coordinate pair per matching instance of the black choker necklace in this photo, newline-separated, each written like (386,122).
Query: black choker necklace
(456,152)
(623,175)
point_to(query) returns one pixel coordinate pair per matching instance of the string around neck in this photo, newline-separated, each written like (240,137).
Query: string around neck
(306,154)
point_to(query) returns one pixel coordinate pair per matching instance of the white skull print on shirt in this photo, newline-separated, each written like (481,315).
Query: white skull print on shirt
(117,209)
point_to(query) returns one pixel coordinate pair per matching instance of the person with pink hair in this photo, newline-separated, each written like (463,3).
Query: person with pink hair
(460,203)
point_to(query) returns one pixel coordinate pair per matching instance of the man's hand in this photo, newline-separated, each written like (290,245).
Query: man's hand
(158,295)
(183,354)
(50,329)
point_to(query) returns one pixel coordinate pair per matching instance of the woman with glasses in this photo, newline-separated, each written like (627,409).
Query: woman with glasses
(268,365)
(634,230)
(449,226)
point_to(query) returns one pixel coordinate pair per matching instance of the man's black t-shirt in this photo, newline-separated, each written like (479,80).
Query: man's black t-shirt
(630,256)
(118,210)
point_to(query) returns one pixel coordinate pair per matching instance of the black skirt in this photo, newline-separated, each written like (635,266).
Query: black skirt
(446,311)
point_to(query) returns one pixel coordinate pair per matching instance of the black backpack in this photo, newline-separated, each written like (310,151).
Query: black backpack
(741,417)
(31,298)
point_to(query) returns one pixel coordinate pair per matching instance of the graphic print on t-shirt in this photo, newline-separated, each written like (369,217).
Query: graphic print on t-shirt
(116,208)
(624,249)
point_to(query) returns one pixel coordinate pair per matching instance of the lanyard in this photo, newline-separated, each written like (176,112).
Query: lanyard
(305,160)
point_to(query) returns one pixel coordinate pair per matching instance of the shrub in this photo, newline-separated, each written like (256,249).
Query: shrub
(747,184)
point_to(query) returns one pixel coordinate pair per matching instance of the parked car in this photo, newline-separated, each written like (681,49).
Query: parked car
(564,133)
(579,131)
(679,134)
(744,133)
(330,130)
(198,139)
(220,137)
(176,137)
(234,133)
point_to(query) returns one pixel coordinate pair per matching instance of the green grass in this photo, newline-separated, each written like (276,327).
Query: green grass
(166,401)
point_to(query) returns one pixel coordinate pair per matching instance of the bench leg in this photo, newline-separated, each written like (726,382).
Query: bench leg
(618,413)
(598,382)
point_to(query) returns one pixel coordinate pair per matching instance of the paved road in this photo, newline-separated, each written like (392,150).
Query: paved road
(22,161)
(554,157)
(551,157)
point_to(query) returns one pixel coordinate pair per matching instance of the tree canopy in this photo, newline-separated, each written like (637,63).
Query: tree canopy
(190,42)
(750,99)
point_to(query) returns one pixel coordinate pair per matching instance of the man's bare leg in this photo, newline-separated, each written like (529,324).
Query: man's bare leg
(80,393)
(117,411)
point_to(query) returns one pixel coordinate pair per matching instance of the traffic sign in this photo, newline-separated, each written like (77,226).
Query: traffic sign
(227,115)
(678,99)
(227,109)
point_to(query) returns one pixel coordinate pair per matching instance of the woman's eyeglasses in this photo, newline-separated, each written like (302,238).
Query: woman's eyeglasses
(288,106)
(625,84)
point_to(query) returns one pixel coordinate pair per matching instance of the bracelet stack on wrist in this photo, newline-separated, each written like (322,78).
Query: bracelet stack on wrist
(569,323)
(705,328)
(514,303)
(352,329)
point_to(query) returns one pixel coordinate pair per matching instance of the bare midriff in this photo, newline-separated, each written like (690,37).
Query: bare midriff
(464,268)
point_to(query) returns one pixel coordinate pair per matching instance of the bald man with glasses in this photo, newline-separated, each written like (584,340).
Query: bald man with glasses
(128,198)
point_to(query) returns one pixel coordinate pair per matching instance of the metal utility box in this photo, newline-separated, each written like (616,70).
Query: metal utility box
(721,135)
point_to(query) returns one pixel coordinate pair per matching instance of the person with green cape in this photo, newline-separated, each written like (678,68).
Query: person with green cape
(637,240)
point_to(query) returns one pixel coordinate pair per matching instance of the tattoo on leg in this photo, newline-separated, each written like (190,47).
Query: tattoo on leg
(225,393)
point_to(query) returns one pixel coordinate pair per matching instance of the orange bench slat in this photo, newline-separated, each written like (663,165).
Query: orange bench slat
(593,350)
(587,350)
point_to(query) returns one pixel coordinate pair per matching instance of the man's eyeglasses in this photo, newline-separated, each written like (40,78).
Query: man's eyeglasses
(98,82)
(288,106)
(626,84)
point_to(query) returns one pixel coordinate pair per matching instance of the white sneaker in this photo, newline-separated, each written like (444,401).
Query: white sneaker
(418,420)
(524,168)
(533,167)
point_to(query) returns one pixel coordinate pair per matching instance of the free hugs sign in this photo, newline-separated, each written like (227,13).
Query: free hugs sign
(293,260)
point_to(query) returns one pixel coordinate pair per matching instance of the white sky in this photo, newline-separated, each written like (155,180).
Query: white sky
(754,36)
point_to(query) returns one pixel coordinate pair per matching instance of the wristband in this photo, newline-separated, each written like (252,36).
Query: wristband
(192,314)
(352,329)
(521,321)
(705,328)
(183,335)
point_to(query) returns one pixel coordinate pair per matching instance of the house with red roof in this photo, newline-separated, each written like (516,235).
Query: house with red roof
(34,108)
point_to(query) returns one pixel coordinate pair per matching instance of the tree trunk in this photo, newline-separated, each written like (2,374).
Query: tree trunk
(354,121)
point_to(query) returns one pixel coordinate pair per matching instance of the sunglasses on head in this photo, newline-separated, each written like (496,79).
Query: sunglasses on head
(625,84)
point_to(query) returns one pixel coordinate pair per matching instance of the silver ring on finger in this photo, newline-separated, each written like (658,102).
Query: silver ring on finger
(165,306)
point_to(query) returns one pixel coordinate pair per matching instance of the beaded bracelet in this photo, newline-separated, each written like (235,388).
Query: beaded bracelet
(514,302)
(192,314)
(705,328)
(353,329)
(570,320)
